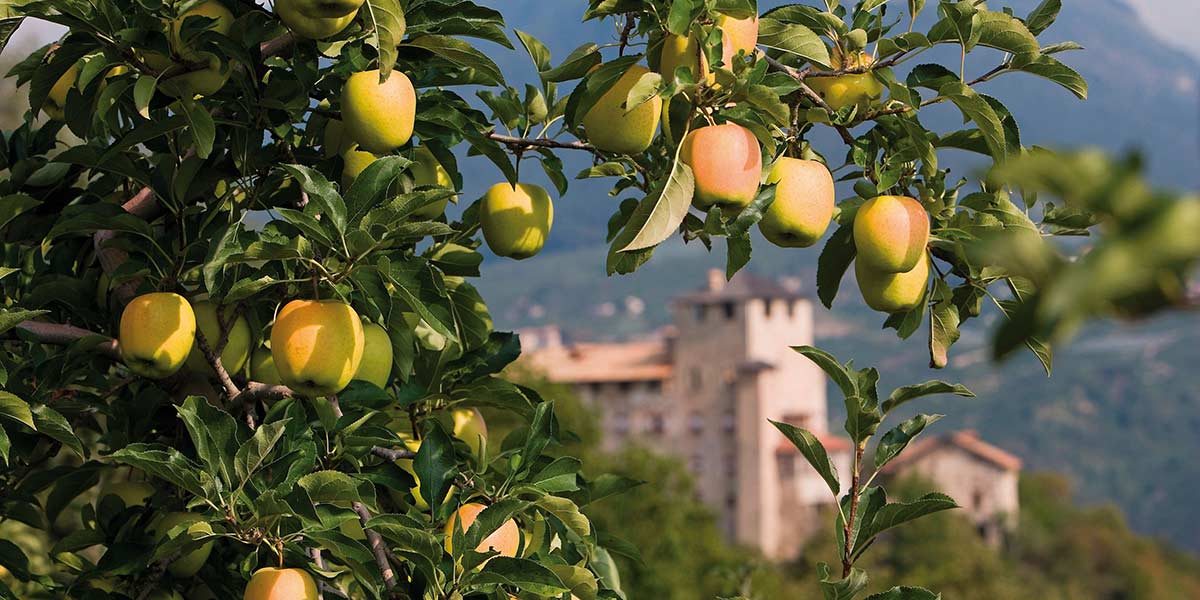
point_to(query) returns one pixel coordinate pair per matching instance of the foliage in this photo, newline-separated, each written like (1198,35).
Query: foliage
(221,193)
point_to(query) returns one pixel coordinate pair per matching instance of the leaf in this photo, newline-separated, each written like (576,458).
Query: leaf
(830,365)
(462,54)
(521,573)
(538,51)
(905,592)
(1043,16)
(52,424)
(845,589)
(648,86)
(870,5)
(977,109)
(993,30)
(568,513)
(322,194)
(663,214)
(435,463)
(330,487)
(943,325)
(794,38)
(387,17)
(8,26)
(163,462)
(576,65)
(371,186)
(251,455)
(213,432)
(813,451)
(1054,70)
(200,121)
(896,440)
(87,219)
(835,258)
(737,253)
(904,394)
(14,204)
(897,513)
(16,409)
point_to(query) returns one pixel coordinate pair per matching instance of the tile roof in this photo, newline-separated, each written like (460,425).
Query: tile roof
(966,440)
(646,360)
(743,286)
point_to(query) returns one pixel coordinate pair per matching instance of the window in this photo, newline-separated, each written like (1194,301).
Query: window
(657,424)
(696,379)
(625,386)
(700,310)
(767,302)
(728,308)
(621,423)
(976,500)
(787,466)
(797,420)
(792,308)
(596,387)
(654,387)
(731,467)
(731,501)
(728,422)
(696,422)
(696,462)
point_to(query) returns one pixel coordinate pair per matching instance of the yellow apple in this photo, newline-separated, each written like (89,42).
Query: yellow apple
(426,170)
(280,584)
(198,82)
(237,346)
(726,161)
(516,220)
(685,51)
(157,332)
(333,141)
(376,364)
(611,127)
(132,493)
(851,89)
(317,345)
(317,19)
(262,367)
(893,292)
(470,427)
(890,233)
(56,100)
(743,33)
(187,565)
(505,539)
(429,338)
(354,162)
(804,202)
(379,116)
(213,9)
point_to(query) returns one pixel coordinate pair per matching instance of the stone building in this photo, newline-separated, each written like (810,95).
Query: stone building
(705,390)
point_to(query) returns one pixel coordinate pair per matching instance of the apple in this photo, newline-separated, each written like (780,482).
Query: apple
(262,367)
(516,220)
(861,89)
(156,333)
(354,162)
(890,233)
(212,9)
(237,346)
(426,170)
(379,116)
(376,364)
(685,51)
(470,427)
(317,19)
(506,539)
(317,345)
(132,493)
(726,162)
(428,337)
(742,33)
(333,140)
(199,82)
(270,583)
(187,565)
(803,206)
(893,292)
(398,496)
(612,127)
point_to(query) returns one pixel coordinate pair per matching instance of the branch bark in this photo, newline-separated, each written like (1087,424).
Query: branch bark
(528,143)
(59,334)
(848,526)
(809,94)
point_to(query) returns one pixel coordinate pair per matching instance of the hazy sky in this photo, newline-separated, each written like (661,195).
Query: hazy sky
(1174,20)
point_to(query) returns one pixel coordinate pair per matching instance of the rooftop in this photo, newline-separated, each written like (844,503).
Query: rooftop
(743,286)
(966,440)
(647,360)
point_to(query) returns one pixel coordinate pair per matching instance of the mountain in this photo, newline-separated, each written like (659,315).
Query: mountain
(1119,416)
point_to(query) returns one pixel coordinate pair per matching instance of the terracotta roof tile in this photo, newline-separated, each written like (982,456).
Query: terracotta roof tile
(595,363)
(967,440)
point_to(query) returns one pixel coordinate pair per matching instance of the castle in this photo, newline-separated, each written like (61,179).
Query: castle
(706,389)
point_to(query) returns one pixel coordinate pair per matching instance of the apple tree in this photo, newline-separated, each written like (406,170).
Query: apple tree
(242,353)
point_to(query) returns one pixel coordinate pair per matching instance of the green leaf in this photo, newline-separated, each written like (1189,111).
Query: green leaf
(794,38)
(835,258)
(845,589)
(1054,70)
(656,220)
(435,463)
(51,423)
(525,574)
(830,365)
(905,592)
(163,462)
(387,18)
(813,451)
(1043,16)
(8,26)
(943,325)
(372,186)
(896,440)
(16,409)
(538,51)
(977,109)
(322,194)
(904,394)
(87,219)
(870,5)
(13,205)
(897,513)
(254,452)
(200,121)
(213,432)
(567,512)
(993,30)
(330,487)
(462,54)
(681,15)
(576,65)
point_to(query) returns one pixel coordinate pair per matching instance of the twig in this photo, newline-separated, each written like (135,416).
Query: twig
(847,561)
(59,334)
(214,360)
(516,143)
(315,554)
(808,93)
(390,454)
(630,23)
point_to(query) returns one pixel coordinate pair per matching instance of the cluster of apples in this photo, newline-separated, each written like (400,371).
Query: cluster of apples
(317,347)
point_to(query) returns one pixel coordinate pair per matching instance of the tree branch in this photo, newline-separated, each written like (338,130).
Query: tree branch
(809,94)
(848,526)
(59,334)
(517,143)
(393,455)
(214,360)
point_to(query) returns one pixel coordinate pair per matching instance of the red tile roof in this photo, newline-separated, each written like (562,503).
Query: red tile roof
(966,440)
(597,363)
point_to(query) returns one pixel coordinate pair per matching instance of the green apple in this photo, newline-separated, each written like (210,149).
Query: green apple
(317,345)
(470,427)
(316,20)
(803,206)
(426,170)
(612,127)
(187,565)
(354,162)
(516,220)
(376,364)
(237,345)
(262,367)
(892,292)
